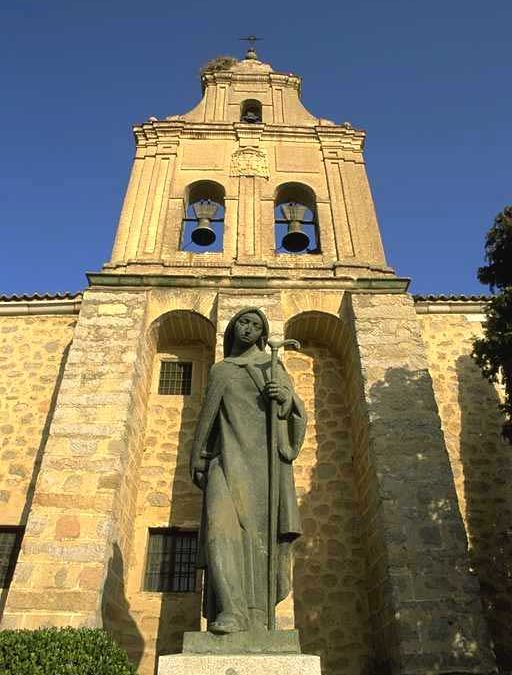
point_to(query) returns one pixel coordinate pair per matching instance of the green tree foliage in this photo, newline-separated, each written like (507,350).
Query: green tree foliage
(493,352)
(61,651)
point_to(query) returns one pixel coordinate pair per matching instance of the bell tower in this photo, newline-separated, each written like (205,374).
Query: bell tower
(249,184)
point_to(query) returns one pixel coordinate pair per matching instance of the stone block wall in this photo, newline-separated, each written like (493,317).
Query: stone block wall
(381,574)
(425,606)
(481,461)
(33,353)
(75,539)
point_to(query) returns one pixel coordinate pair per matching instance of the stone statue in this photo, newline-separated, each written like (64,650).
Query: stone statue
(230,463)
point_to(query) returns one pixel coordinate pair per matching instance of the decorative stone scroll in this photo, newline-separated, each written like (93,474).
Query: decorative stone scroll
(249,162)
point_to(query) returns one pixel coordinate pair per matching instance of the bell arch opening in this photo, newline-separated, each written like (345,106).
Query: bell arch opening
(295,216)
(251,112)
(203,225)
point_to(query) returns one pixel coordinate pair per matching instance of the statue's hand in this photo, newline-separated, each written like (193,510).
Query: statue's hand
(277,392)
(200,479)
(198,472)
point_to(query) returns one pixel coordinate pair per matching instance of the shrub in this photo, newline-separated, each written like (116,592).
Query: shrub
(62,651)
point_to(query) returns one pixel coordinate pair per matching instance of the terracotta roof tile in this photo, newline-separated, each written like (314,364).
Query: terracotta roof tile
(40,296)
(451,298)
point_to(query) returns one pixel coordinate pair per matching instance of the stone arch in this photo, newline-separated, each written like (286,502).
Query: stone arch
(293,191)
(295,210)
(203,225)
(317,327)
(182,326)
(330,588)
(204,189)
(165,300)
(296,303)
(251,111)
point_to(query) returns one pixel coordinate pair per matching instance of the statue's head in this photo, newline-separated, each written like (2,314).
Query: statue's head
(246,325)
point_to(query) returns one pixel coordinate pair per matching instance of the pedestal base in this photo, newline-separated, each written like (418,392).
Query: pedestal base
(239,664)
(254,641)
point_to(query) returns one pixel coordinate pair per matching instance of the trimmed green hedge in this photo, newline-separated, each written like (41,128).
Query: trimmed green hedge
(62,651)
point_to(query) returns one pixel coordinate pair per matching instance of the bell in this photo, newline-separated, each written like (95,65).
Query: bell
(295,240)
(203,234)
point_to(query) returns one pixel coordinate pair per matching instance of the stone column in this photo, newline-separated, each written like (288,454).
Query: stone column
(76,540)
(424,602)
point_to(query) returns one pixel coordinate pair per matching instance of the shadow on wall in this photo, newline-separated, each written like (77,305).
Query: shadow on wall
(115,609)
(417,565)
(330,593)
(39,457)
(487,466)
(181,612)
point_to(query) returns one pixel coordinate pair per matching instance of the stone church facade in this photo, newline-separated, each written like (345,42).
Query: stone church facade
(403,480)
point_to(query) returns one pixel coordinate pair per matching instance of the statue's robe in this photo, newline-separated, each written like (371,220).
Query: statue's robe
(231,447)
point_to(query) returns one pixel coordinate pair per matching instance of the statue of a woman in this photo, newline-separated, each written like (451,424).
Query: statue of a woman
(230,463)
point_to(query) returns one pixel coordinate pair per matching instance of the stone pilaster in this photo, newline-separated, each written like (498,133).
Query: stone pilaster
(424,602)
(77,534)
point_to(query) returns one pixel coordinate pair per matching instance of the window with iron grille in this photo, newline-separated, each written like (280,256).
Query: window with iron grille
(10,541)
(175,378)
(171,563)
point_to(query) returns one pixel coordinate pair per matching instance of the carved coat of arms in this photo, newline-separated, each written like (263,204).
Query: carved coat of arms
(249,162)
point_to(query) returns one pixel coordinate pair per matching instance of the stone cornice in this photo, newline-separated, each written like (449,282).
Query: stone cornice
(360,284)
(69,304)
(336,136)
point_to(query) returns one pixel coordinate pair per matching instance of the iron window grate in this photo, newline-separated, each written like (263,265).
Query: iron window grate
(171,562)
(175,378)
(10,542)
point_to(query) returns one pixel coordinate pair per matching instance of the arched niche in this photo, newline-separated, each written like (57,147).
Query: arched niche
(251,111)
(330,586)
(181,326)
(166,500)
(205,189)
(296,221)
(203,225)
(315,327)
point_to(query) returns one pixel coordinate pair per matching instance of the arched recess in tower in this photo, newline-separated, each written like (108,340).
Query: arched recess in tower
(162,586)
(203,224)
(251,112)
(296,222)
(330,585)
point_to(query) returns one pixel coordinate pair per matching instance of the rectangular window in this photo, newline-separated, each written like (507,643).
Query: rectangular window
(10,542)
(175,378)
(171,563)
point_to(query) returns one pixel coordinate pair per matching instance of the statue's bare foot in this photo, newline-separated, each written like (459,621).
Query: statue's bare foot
(226,623)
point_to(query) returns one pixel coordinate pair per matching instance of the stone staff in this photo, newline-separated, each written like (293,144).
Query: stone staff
(274,345)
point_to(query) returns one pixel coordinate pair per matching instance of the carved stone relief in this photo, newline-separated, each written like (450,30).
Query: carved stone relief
(249,162)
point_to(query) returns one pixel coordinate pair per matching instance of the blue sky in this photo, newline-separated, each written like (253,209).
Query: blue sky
(429,81)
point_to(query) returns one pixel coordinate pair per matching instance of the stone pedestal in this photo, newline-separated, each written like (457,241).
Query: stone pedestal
(239,664)
(254,641)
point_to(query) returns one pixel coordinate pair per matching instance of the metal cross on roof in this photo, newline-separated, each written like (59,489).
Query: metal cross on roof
(251,39)
(251,52)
